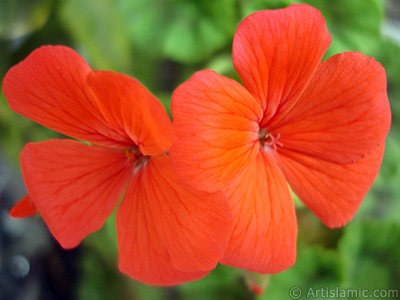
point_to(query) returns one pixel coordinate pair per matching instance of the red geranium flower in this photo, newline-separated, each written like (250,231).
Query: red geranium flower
(167,232)
(24,208)
(318,126)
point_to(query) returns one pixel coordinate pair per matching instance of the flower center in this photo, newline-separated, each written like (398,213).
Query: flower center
(268,140)
(135,157)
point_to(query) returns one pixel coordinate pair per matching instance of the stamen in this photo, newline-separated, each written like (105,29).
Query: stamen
(133,154)
(267,139)
(136,157)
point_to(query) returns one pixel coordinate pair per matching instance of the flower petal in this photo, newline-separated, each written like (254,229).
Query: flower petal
(276,52)
(333,192)
(215,130)
(75,187)
(24,208)
(265,228)
(344,113)
(167,232)
(50,88)
(130,107)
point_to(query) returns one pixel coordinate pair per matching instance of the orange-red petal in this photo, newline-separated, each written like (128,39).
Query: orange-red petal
(167,232)
(50,88)
(265,228)
(344,113)
(276,52)
(215,130)
(24,208)
(130,107)
(333,192)
(75,187)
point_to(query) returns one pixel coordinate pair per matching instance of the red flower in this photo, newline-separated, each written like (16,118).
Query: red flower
(318,126)
(24,208)
(167,232)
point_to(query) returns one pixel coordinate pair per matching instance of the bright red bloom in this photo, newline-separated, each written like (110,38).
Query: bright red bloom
(24,208)
(167,232)
(318,126)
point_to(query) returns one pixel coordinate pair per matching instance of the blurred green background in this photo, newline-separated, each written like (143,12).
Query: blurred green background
(162,43)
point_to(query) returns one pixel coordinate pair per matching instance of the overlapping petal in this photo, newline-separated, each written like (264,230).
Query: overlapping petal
(167,232)
(74,186)
(333,192)
(265,229)
(276,52)
(24,208)
(50,88)
(331,121)
(216,130)
(130,107)
(344,113)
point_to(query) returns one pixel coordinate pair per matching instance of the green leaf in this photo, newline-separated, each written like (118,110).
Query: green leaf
(16,130)
(96,25)
(354,25)
(388,55)
(382,201)
(223,65)
(312,231)
(315,268)
(222,283)
(21,17)
(250,6)
(370,255)
(182,30)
